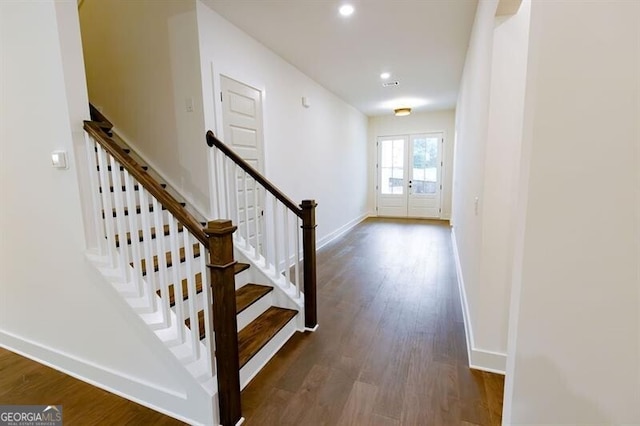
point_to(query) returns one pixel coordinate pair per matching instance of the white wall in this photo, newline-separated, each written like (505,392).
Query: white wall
(472,115)
(417,122)
(500,183)
(310,153)
(489,118)
(575,332)
(54,306)
(142,64)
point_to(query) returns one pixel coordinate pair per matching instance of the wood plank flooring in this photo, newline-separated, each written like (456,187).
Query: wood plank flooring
(390,349)
(25,382)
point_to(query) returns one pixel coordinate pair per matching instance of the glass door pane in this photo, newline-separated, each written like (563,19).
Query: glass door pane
(392,166)
(425,165)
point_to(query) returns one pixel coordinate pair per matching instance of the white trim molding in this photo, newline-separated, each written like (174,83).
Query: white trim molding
(340,231)
(479,359)
(161,399)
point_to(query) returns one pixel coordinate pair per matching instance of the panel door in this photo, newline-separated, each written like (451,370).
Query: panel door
(243,132)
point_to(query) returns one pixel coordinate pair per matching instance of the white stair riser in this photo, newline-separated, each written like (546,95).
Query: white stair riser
(256,363)
(182,272)
(200,304)
(255,310)
(243,278)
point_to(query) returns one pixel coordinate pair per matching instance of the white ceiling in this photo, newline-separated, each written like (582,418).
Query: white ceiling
(422,43)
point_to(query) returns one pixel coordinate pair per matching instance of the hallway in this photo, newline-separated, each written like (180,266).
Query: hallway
(391,347)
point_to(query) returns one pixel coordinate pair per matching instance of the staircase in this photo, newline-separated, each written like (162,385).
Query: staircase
(178,271)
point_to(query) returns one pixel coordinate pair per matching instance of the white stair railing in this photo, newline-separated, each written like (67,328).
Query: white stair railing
(268,230)
(272,230)
(155,254)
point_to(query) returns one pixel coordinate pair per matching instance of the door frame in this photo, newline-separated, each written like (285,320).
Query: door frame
(376,161)
(259,158)
(220,121)
(215,76)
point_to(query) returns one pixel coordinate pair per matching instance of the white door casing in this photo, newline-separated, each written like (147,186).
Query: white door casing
(409,171)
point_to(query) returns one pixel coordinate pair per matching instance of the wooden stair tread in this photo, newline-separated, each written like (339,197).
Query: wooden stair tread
(240,267)
(196,253)
(248,294)
(136,187)
(185,290)
(145,168)
(153,234)
(254,336)
(103,125)
(126,211)
(138,210)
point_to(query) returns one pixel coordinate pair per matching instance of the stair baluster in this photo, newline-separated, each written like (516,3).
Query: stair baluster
(274,234)
(169,283)
(159,279)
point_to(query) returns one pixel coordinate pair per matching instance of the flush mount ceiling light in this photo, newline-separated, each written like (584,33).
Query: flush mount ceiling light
(385,75)
(346,10)
(400,112)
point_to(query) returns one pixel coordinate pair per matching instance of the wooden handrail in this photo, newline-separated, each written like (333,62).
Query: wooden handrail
(306,212)
(212,140)
(149,183)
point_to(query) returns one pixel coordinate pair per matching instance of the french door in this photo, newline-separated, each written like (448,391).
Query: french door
(409,171)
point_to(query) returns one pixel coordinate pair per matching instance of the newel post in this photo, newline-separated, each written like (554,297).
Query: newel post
(221,268)
(309,263)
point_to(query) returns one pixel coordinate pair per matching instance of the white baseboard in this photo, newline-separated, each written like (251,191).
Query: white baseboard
(340,231)
(155,397)
(492,362)
(479,359)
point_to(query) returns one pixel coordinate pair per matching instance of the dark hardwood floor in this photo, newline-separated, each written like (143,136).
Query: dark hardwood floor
(391,347)
(26,382)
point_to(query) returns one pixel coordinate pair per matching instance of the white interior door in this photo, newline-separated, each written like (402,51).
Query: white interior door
(409,175)
(243,132)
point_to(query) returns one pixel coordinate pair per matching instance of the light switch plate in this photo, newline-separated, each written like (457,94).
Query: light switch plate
(59,160)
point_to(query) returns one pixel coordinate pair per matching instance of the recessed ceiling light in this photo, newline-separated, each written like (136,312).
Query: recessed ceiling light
(346,10)
(385,75)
